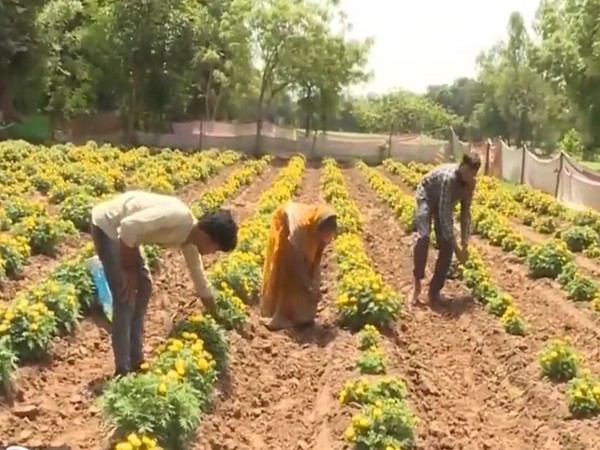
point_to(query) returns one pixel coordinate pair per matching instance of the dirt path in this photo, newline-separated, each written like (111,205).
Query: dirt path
(60,396)
(281,382)
(550,315)
(455,359)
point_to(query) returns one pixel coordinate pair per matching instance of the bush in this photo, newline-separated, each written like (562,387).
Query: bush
(155,404)
(548,260)
(579,238)
(559,360)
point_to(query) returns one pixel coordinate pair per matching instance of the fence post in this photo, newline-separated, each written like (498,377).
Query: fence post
(486,170)
(201,132)
(558,174)
(523,164)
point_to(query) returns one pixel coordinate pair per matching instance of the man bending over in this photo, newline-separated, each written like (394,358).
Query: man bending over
(437,194)
(120,226)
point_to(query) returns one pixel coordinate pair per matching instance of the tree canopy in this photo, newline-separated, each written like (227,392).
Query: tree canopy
(539,87)
(155,60)
(292,61)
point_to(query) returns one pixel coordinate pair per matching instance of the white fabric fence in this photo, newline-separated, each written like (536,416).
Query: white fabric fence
(560,175)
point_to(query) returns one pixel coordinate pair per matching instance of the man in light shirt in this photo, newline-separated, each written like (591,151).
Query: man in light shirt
(120,226)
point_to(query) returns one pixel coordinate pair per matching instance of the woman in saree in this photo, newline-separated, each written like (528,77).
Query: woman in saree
(292,270)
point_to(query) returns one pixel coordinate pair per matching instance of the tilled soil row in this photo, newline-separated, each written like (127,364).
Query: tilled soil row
(58,400)
(537,402)
(282,383)
(453,356)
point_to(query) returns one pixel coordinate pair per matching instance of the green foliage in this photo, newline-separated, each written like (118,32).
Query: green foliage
(160,60)
(153,404)
(571,143)
(403,112)
(8,362)
(579,238)
(548,260)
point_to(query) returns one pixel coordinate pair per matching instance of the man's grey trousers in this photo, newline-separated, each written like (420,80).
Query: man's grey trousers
(425,214)
(128,317)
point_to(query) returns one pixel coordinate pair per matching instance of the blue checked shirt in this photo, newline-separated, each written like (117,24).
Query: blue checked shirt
(442,189)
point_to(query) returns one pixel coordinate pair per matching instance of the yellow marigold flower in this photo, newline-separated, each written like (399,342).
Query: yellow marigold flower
(350,434)
(203,364)
(134,440)
(124,446)
(180,367)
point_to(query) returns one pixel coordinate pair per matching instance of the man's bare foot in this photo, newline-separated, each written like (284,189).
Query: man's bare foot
(413,299)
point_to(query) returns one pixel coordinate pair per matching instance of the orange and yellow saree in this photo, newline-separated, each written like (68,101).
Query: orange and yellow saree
(284,299)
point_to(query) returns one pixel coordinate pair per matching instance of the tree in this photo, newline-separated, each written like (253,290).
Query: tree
(569,57)
(224,61)
(461,98)
(331,62)
(19,51)
(283,32)
(152,43)
(69,80)
(404,112)
(156,61)
(516,102)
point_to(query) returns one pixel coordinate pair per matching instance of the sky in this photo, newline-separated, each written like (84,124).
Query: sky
(424,42)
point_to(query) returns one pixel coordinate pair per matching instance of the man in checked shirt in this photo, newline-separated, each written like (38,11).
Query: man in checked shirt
(437,194)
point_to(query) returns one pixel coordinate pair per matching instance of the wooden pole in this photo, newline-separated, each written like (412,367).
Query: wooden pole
(558,174)
(523,164)
(488,145)
(201,132)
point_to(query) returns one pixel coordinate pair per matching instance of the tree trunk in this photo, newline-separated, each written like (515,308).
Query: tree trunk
(217,104)
(9,113)
(307,123)
(207,113)
(259,122)
(132,110)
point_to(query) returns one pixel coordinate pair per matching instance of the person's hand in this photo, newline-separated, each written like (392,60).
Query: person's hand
(129,285)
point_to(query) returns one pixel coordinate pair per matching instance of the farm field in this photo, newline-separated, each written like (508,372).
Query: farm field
(509,362)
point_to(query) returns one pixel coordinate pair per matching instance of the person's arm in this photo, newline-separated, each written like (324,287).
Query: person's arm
(196,269)
(295,257)
(318,259)
(446,210)
(465,219)
(136,225)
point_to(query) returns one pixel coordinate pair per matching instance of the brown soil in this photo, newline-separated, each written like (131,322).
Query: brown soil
(283,385)
(59,397)
(472,385)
